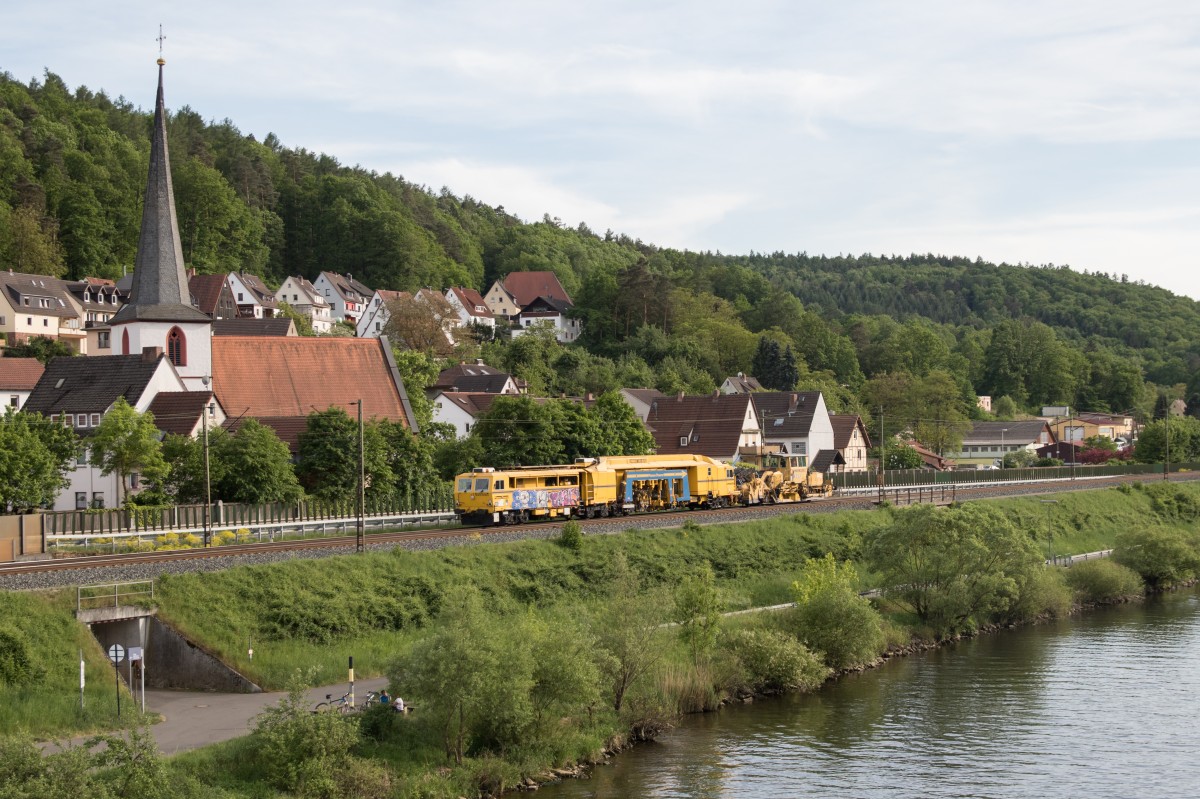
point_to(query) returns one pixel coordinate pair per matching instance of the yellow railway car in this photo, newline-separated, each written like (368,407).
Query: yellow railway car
(606,486)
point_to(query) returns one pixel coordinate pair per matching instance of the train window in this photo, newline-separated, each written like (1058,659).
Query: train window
(499,485)
(481,485)
(569,480)
(551,480)
(464,484)
(710,472)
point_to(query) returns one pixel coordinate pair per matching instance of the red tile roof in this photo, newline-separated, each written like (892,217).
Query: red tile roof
(472,299)
(20,374)
(528,286)
(287,428)
(293,376)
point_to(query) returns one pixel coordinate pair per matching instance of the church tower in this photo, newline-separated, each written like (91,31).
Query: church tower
(160,312)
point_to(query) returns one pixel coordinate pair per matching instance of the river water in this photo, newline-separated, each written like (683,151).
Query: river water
(1106,705)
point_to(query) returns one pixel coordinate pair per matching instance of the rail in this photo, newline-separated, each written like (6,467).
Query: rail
(110,595)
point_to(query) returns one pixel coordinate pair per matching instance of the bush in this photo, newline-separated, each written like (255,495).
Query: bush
(832,618)
(16,665)
(571,535)
(1100,581)
(776,661)
(1041,591)
(1161,555)
(167,541)
(301,751)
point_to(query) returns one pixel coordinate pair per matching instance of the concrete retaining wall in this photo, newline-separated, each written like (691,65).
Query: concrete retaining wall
(174,662)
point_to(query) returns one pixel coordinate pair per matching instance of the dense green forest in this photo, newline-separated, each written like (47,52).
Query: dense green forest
(919,334)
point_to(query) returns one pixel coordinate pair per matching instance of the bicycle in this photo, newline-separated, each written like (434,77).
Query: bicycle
(331,705)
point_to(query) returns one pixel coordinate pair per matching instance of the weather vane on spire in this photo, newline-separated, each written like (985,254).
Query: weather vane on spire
(160,41)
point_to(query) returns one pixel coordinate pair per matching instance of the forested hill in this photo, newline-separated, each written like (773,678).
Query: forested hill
(72,172)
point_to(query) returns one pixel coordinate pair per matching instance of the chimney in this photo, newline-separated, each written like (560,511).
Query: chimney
(479,362)
(151,354)
(716,394)
(680,397)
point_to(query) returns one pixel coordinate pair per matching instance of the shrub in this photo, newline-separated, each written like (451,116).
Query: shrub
(776,661)
(191,540)
(16,665)
(571,535)
(300,751)
(1161,555)
(832,618)
(222,537)
(1040,591)
(1104,581)
(167,541)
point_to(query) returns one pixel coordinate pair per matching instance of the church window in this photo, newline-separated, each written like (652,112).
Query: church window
(125,343)
(177,347)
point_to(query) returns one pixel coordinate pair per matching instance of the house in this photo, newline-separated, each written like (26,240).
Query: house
(1085,425)
(983,402)
(276,326)
(79,392)
(509,295)
(254,300)
(99,299)
(1065,451)
(38,305)
(476,377)
(304,298)
(741,384)
(930,460)
(641,399)
(988,442)
(183,413)
(461,408)
(280,380)
(347,297)
(547,312)
(794,423)
(850,440)
(471,307)
(213,295)
(375,318)
(18,376)
(722,426)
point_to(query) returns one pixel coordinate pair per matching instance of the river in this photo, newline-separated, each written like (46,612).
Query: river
(1105,705)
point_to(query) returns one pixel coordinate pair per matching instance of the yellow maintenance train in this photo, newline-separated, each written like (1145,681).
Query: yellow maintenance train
(618,485)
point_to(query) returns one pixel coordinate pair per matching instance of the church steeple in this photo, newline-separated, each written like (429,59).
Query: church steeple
(160,290)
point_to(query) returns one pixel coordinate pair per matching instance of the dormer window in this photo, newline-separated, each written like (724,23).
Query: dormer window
(87,296)
(683,441)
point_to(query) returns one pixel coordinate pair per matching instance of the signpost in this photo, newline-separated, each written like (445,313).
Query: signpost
(116,653)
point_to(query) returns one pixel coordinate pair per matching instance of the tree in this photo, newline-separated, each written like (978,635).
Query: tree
(698,611)
(28,243)
(517,431)
(899,455)
(35,456)
(40,347)
(126,442)
(1184,440)
(952,566)
(302,321)
(258,467)
(470,679)
(625,628)
(775,366)
(623,430)
(422,322)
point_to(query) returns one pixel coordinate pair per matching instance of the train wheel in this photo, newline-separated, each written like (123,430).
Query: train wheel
(603,511)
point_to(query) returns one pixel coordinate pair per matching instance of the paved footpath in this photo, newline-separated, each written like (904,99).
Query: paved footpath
(192,719)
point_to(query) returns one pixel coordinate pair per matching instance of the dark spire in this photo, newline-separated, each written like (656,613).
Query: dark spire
(160,288)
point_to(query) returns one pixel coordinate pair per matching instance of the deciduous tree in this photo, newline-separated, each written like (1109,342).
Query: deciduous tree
(126,442)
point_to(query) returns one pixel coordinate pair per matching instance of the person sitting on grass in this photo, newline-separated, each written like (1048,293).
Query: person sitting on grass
(399,706)
(384,699)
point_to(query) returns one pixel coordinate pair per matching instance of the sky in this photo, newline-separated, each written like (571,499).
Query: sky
(1056,131)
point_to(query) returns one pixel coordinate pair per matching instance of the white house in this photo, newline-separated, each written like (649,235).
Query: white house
(252,296)
(470,306)
(347,297)
(304,298)
(18,376)
(545,312)
(461,408)
(37,305)
(797,422)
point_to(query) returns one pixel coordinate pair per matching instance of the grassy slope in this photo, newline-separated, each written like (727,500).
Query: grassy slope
(50,706)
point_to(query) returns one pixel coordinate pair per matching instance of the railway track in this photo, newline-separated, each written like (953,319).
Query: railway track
(235,554)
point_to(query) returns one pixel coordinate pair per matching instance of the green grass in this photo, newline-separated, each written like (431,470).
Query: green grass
(46,702)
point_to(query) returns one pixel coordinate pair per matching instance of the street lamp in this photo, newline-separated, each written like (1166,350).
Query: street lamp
(1003,431)
(359,529)
(1049,531)
(209,408)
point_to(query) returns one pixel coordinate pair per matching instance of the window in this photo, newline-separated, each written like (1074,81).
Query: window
(45,323)
(240,298)
(3,320)
(499,485)
(81,500)
(104,340)
(95,420)
(133,479)
(177,347)
(481,485)
(464,484)
(29,320)
(82,458)
(683,441)
(14,400)
(125,342)
(97,499)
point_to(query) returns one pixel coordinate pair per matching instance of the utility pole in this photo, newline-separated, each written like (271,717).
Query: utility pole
(360,529)
(208,408)
(1167,429)
(882,457)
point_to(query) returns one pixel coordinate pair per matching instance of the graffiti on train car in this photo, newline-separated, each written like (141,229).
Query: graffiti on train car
(528,499)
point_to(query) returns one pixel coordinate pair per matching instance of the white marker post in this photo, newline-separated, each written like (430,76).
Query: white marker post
(116,653)
(82,679)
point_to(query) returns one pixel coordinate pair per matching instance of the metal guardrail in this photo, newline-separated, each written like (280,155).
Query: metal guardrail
(268,531)
(110,595)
